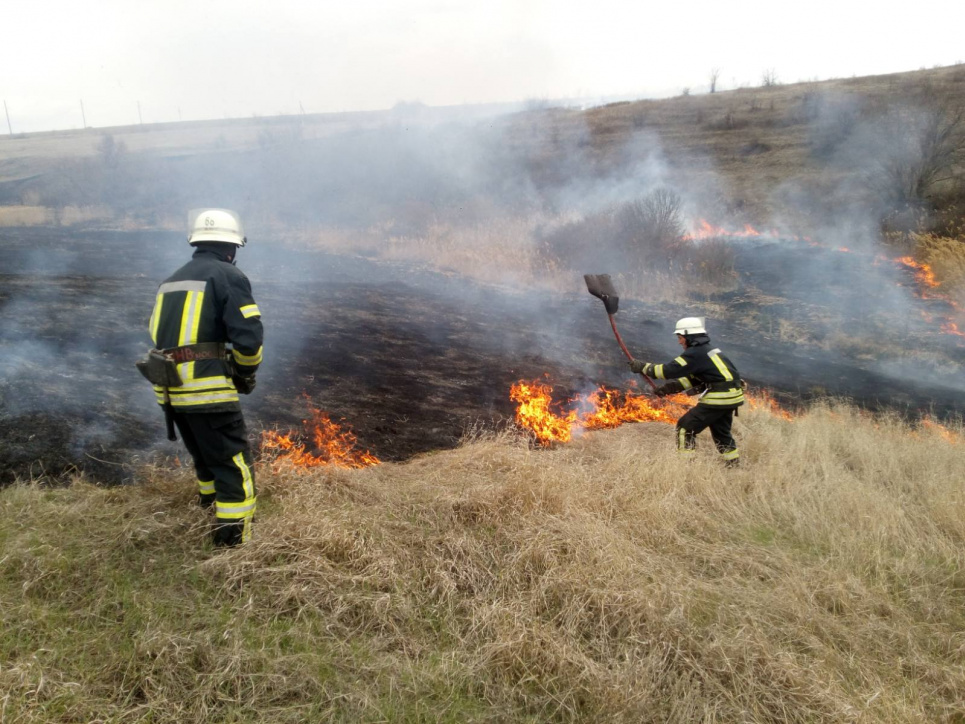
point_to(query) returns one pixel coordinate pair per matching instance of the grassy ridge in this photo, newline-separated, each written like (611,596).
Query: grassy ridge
(600,581)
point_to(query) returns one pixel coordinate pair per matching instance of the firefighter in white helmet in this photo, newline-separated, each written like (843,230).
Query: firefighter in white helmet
(705,371)
(206,329)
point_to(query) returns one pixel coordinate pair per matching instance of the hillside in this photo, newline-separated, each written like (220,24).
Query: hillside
(595,581)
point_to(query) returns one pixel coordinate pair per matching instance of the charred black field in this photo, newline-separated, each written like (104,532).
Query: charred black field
(408,358)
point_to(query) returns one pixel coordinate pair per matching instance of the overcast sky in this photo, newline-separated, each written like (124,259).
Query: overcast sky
(197,59)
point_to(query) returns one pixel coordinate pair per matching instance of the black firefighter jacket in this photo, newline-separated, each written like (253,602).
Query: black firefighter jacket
(703,366)
(207,300)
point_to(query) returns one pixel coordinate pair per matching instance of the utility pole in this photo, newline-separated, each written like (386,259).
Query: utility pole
(140,120)
(82,114)
(9,127)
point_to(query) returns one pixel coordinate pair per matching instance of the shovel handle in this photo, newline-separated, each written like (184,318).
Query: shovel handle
(616,334)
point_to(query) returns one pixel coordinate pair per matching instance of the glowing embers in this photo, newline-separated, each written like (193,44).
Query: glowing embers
(603,408)
(332,446)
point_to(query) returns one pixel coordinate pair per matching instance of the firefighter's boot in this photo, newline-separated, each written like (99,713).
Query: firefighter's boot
(228,535)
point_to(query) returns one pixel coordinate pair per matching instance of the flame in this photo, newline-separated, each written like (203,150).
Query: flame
(534,412)
(605,408)
(923,272)
(703,229)
(763,401)
(952,328)
(602,408)
(611,408)
(950,436)
(336,448)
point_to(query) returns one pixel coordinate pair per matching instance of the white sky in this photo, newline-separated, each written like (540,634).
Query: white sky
(198,59)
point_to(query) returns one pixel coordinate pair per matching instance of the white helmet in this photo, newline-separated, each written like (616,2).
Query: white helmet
(690,325)
(215,225)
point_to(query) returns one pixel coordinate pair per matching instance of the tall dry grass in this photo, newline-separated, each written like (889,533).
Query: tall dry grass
(946,257)
(604,580)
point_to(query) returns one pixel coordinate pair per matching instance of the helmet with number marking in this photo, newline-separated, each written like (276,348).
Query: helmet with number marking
(220,225)
(690,325)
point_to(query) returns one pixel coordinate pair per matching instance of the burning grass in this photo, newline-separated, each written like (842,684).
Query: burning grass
(333,446)
(603,580)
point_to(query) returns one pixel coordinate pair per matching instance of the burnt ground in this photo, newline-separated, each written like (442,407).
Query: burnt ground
(409,358)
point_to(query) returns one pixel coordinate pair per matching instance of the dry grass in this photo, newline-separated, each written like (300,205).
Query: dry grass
(50,216)
(945,256)
(600,581)
(24,215)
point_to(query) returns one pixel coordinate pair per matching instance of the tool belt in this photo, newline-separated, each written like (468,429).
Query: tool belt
(195,352)
(724,386)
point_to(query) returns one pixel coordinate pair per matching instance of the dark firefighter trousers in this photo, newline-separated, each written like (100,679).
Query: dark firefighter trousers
(700,418)
(218,444)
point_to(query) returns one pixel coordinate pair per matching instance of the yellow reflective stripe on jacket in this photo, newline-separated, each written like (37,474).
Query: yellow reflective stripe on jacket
(198,398)
(734,396)
(156,316)
(217,382)
(206,487)
(247,360)
(191,317)
(680,361)
(250,310)
(658,372)
(186,370)
(685,382)
(721,367)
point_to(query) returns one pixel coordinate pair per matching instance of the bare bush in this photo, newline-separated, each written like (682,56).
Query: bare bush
(926,150)
(769,78)
(650,225)
(714,77)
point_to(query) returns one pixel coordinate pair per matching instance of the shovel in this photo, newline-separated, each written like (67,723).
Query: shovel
(600,285)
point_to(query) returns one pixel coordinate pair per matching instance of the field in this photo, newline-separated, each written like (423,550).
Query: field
(594,581)
(411,267)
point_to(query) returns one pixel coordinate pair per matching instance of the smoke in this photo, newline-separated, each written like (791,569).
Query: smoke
(391,341)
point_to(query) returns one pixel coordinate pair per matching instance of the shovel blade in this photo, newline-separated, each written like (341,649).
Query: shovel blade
(600,285)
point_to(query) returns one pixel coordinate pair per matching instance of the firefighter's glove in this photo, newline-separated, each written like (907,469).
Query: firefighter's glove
(244,385)
(643,368)
(671,388)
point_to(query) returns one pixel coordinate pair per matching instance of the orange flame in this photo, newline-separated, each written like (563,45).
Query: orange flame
(606,408)
(948,435)
(336,448)
(763,401)
(611,408)
(923,273)
(533,412)
(952,328)
(703,229)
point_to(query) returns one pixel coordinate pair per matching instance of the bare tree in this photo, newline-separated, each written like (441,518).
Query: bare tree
(714,77)
(769,78)
(926,149)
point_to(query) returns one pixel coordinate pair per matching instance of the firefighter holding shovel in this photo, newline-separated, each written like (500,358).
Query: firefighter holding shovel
(700,370)
(707,372)
(207,334)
